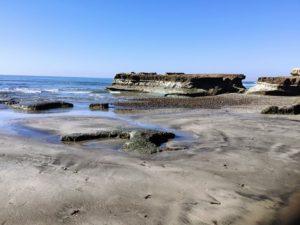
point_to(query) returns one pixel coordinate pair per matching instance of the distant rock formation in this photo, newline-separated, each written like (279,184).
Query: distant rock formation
(178,83)
(283,86)
(295,72)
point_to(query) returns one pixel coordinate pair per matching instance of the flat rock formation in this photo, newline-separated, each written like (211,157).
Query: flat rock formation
(283,86)
(139,140)
(178,83)
(39,106)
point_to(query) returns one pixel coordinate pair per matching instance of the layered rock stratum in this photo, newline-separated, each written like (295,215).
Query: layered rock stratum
(179,83)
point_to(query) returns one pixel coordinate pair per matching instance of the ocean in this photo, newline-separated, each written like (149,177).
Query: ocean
(72,89)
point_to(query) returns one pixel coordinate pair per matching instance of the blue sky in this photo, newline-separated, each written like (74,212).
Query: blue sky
(103,37)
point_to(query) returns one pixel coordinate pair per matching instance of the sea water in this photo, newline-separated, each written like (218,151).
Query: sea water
(72,89)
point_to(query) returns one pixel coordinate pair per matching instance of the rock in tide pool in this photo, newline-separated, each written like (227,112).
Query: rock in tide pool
(146,141)
(39,106)
(99,106)
(103,134)
(281,86)
(286,110)
(295,72)
(178,84)
(139,140)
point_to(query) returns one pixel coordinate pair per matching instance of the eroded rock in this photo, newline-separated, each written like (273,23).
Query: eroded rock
(139,140)
(282,86)
(179,84)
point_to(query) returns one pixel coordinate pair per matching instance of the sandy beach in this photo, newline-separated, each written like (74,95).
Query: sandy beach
(149,112)
(231,165)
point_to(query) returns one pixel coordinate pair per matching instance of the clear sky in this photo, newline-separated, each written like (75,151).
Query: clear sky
(103,37)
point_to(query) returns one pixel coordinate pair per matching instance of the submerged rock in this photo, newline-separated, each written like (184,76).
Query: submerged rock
(282,86)
(99,106)
(179,84)
(39,106)
(139,140)
(286,110)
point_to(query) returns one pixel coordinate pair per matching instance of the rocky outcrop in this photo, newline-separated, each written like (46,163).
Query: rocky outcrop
(295,72)
(139,140)
(178,83)
(99,106)
(287,110)
(39,106)
(283,86)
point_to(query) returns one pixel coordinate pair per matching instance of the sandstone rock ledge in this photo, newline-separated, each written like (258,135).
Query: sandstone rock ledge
(179,83)
(282,86)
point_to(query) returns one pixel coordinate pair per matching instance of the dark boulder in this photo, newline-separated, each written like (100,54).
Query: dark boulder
(286,110)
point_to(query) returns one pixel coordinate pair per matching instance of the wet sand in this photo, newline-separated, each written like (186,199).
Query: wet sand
(236,166)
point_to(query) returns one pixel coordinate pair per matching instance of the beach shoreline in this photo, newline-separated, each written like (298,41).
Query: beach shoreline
(237,167)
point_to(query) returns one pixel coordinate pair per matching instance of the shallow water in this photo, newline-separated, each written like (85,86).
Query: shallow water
(55,88)
(11,124)
(79,91)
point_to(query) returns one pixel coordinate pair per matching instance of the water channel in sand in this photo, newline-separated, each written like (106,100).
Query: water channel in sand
(11,123)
